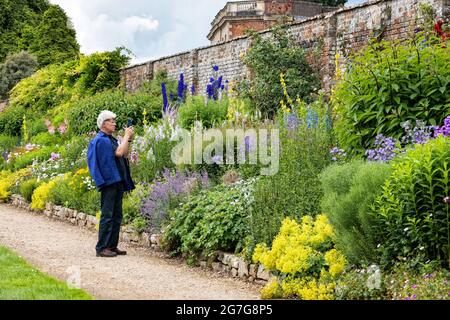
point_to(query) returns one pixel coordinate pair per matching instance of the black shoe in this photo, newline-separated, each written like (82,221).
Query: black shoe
(107,253)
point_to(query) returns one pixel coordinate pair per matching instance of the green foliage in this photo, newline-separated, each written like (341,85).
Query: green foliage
(25,159)
(100,70)
(15,18)
(267,59)
(295,190)
(83,114)
(7,143)
(389,83)
(132,208)
(413,219)
(349,190)
(215,219)
(15,68)
(54,39)
(57,84)
(11,120)
(27,188)
(210,112)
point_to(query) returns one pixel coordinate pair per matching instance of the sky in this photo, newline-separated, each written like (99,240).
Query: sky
(149,28)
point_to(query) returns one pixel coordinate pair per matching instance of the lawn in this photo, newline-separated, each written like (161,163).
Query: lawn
(20,281)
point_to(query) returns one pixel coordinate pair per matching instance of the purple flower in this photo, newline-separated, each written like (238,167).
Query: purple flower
(164,95)
(215,68)
(414,297)
(181,88)
(414,286)
(337,153)
(192,89)
(447,199)
(54,156)
(444,130)
(292,121)
(385,149)
(167,192)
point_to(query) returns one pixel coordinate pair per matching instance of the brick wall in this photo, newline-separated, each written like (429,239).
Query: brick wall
(337,32)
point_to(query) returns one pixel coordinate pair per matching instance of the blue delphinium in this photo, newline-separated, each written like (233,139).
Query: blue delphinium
(215,85)
(193,90)
(312,119)
(164,95)
(182,87)
(292,121)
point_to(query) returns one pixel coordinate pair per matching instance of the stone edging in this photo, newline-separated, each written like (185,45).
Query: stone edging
(221,262)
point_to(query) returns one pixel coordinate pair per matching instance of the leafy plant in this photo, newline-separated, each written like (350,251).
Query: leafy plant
(349,191)
(267,58)
(215,219)
(412,214)
(209,113)
(387,84)
(15,68)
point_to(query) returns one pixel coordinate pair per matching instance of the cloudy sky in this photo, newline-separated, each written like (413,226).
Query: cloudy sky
(149,28)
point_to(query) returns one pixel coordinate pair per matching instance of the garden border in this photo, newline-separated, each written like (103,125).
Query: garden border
(220,262)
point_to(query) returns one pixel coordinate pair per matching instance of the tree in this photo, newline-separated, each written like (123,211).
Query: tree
(15,68)
(54,41)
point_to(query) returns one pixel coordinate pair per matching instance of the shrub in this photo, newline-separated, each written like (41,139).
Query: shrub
(82,115)
(132,203)
(45,139)
(215,219)
(267,58)
(349,191)
(11,120)
(304,259)
(388,84)
(295,190)
(7,143)
(16,67)
(27,188)
(211,112)
(412,213)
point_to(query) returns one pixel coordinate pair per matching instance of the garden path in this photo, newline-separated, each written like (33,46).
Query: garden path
(54,247)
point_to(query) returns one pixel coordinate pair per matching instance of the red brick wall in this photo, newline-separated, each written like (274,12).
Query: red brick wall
(238,28)
(340,32)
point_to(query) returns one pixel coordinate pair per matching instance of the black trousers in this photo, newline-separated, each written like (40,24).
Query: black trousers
(111,218)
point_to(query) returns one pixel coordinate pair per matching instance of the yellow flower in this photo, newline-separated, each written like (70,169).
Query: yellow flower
(336,262)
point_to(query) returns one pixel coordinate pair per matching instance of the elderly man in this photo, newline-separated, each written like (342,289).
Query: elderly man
(108,166)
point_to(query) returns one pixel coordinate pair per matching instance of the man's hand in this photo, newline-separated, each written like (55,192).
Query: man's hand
(129,134)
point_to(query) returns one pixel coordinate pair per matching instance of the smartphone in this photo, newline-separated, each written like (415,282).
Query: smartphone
(129,123)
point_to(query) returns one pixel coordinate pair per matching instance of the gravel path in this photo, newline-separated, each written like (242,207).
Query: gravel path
(54,247)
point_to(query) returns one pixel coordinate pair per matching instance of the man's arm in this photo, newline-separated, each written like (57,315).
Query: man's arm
(124,148)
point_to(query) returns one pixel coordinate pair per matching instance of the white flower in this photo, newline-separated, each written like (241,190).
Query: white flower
(406,229)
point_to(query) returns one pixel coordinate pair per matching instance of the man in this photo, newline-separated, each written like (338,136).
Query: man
(108,166)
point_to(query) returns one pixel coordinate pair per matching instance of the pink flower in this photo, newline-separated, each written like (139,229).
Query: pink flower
(51,129)
(54,156)
(134,157)
(447,199)
(414,286)
(62,128)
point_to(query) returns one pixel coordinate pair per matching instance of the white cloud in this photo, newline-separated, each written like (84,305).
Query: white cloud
(150,29)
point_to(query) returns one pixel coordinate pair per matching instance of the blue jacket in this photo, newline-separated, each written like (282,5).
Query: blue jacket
(102,164)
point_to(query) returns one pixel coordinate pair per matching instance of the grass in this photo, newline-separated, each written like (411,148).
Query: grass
(20,281)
